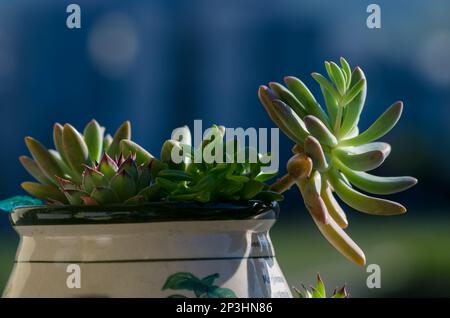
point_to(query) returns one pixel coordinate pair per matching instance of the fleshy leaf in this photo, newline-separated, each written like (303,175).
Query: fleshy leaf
(44,191)
(379,128)
(354,108)
(362,202)
(129,147)
(33,169)
(75,149)
(123,132)
(303,94)
(93,136)
(44,159)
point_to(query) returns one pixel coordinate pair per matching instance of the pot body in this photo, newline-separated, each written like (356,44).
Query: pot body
(184,258)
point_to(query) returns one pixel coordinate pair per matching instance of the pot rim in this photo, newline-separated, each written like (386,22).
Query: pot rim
(144,213)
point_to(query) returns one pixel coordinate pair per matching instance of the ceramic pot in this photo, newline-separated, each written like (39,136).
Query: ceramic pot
(153,250)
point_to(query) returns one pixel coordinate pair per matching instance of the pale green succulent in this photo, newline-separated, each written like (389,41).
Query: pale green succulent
(330,155)
(320,291)
(88,168)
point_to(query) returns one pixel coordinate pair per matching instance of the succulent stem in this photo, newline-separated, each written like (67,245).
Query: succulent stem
(283,184)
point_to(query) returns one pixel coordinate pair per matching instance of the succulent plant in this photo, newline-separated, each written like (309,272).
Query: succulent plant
(330,155)
(88,168)
(93,169)
(319,291)
(206,180)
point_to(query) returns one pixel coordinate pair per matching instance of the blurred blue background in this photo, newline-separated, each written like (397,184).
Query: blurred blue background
(162,64)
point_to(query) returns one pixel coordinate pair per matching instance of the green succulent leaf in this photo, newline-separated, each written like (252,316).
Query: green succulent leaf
(107,141)
(75,196)
(104,196)
(251,189)
(129,147)
(331,104)
(62,164)
(166,184)
(144,177)
(92,178)
(353,92)
(341,293)
(58,141)
(379,128)
(168,147)
(65,184)
(175,175)
(107,166)
(363,158)
(269,196)
(320,131)
(45,161)
(320,287)
(123,185)
(290,120)
(150,193)
(323,82)
(347,71)
(375,184)
(33,169)
(362,202)
(267,98)
(341,241)
(333,207)
(93,137)
(303,94)
(354,107)
(338,77)
(315,151)
(129,166)
(310,189)
(287,97)
(44,191)
(75,149)
(123,132)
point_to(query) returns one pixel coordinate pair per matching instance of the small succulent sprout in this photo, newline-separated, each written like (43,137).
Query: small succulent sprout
(341,156)
(215,170)
(319,291)
(88,168)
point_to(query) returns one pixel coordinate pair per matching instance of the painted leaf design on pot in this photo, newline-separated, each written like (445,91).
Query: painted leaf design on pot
(202,288)
(182,280)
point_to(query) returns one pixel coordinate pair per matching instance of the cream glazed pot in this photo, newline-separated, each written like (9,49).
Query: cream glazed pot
(156,250)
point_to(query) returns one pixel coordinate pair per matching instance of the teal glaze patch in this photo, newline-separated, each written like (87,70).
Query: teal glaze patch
(10,204)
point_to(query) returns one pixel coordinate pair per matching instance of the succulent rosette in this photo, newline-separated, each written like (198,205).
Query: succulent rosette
(331,156)
(216,170)
(88,168)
